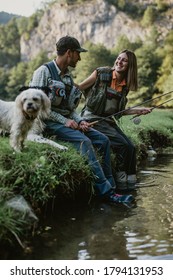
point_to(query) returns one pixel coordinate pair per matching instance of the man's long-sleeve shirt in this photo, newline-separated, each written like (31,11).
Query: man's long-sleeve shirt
(42,78)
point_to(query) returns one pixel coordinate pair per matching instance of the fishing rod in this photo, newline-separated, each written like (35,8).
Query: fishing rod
(137,120)
(130,108)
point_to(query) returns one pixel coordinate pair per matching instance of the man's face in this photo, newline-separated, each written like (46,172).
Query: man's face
(121,63)
(74,58)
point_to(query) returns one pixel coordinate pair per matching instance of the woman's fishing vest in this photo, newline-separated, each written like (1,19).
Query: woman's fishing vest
(64,95)
(101,99)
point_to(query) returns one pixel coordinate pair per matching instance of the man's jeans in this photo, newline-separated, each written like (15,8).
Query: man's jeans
(84,143)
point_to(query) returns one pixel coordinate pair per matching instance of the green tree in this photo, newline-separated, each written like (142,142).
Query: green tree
(166,54)
(16,80)
(4,75)
(149,16)
(21,74)
(148,63)
(124,43)
(9,44)
(162,6)
(40,59)
(97,56)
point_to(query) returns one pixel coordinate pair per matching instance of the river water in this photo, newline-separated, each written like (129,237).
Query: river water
(104,232)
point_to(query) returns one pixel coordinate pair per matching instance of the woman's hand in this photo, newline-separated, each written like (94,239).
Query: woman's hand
(143,111)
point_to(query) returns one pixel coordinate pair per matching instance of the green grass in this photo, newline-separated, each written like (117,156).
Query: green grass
(155,129)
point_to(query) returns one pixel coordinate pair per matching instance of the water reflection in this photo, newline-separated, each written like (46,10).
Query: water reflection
(100,231)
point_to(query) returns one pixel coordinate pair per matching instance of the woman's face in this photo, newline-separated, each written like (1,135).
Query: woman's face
(121,63)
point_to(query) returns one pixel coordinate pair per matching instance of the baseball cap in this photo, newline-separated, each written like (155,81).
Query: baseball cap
(69,42)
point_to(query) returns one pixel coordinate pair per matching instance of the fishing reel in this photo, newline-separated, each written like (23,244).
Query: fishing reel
(57,88)
(136,120)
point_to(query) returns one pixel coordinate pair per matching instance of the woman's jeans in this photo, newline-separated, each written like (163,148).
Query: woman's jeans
(85,142)
(121,145)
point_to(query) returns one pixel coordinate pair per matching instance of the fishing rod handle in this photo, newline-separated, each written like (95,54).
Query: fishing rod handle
(93,123)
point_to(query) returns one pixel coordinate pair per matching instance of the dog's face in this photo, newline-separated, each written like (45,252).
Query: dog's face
(32,102)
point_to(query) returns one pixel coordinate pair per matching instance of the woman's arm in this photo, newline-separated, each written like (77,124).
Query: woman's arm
(88,82)
(138,111)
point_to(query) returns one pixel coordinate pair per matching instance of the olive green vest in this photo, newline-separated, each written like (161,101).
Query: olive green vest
(102,100)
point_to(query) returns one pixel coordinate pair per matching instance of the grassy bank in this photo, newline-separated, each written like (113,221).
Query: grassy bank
(155,129)
(42,174)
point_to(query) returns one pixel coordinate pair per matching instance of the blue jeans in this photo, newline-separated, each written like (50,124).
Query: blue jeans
(85,143)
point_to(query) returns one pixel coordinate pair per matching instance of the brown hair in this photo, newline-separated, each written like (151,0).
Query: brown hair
(132,76)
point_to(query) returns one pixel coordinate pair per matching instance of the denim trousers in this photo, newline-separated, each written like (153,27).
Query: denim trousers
(122,146)
(85,143)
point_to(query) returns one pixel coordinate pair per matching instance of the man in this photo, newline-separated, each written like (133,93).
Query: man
(67,125)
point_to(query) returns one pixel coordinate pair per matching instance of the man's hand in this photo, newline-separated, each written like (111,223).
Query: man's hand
(84,126)
(72,124)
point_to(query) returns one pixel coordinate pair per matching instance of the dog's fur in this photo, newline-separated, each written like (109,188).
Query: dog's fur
(35,135)
(19,117)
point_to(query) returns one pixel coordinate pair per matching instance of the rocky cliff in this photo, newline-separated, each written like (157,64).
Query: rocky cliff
(96,21)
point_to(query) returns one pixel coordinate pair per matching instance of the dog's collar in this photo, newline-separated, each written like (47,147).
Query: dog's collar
(28,117)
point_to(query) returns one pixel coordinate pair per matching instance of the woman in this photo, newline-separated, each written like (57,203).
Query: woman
(107,89)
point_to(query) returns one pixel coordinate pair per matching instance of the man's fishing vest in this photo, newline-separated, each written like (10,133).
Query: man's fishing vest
(101,99)
(64,95)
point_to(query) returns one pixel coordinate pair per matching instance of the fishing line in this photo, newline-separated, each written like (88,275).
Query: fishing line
(137,120)
(125,110)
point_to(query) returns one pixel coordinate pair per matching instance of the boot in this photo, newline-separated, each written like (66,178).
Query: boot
(131,182)
(121,180)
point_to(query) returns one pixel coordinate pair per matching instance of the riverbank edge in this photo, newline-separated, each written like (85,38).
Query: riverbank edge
(42,174)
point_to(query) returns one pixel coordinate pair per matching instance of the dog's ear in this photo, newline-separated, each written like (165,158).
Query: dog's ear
(23,88)
(45,89)
(46,105)
(18,101)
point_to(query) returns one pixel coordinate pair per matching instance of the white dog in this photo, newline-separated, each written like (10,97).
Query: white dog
(35,135)
(30,107)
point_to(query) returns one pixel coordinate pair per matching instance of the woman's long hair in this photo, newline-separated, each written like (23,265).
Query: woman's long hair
(132,76)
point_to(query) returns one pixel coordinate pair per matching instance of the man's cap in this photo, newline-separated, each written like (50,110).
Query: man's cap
(69,42)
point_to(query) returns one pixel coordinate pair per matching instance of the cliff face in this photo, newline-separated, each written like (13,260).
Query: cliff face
(95,21)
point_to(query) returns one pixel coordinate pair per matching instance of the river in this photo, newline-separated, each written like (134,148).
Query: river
(105,232)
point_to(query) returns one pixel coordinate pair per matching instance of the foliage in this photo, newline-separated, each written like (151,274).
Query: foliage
(16,80)
(40,59)
(9,44)
(162,6)
(4,75)
(168,86)
(155,129)
(124,43)
(21,75)
(148,63)
(149,16)
(25,25)
(132,7)
(40,173)
(166,53)
(11,225)
(98,55)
